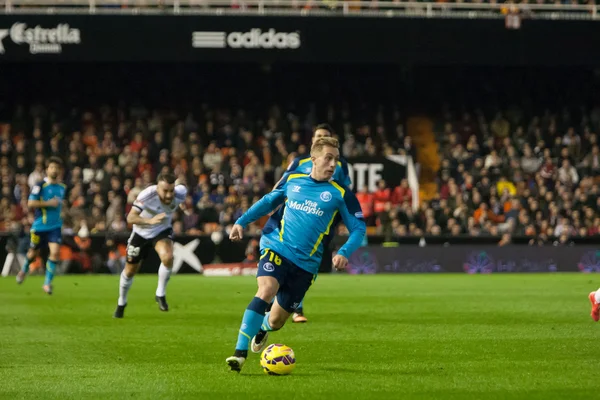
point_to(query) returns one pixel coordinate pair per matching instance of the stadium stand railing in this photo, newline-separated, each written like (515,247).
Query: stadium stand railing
(307,8)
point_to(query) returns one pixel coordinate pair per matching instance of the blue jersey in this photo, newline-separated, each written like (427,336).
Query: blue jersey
(304,165)
(299,230)
(47,219)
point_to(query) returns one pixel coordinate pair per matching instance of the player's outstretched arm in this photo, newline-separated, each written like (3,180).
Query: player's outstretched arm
(134,218)
(268,203)
(35,200)
(43,203)
(352,216)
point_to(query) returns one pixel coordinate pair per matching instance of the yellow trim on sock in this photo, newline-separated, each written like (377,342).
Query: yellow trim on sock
(243,333)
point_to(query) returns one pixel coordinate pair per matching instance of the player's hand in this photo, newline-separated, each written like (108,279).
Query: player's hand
(157,219)
(237,233)
(53,202)
(340,262)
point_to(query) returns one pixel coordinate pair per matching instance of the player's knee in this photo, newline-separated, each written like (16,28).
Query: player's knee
(31,254)
(267,292)
(276,322)
(167,260)
(130,270)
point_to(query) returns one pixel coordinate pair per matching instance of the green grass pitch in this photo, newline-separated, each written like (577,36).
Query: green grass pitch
(368,337)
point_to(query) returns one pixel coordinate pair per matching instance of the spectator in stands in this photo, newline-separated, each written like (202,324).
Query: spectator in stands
(567,174)
(401,193)
(381,197)
(591,162)
(529,162)
(500,127)
(212,156)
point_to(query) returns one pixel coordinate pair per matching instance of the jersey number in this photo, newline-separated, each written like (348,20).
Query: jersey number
(272,257)
(133,251)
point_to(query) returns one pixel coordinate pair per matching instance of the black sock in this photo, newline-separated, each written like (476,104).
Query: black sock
(241,353)
(260,335)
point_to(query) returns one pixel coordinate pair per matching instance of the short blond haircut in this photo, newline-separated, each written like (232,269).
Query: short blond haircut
(326,141)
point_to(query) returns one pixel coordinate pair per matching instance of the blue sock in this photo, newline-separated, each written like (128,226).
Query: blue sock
(265,324)
(300,307)
(253,318)
(25,267)
(50,268)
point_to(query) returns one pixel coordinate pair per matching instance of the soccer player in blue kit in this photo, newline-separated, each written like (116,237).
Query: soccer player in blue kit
(304,165)
(292,243)
(46,198)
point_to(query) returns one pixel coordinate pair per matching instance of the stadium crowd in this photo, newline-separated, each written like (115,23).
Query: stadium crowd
(307,5)
(507,167)
(498,176)
(501,177)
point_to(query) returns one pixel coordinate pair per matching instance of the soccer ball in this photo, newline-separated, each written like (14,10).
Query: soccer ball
(278,359)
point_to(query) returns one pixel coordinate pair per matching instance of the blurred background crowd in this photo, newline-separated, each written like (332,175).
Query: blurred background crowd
(300,4)
(503,158)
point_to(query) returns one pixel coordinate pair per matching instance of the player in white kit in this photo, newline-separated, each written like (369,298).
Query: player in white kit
(151,216)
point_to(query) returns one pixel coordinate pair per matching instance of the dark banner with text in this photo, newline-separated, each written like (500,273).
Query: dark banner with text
(196,38)
(474,259)
(367,171)
(216,256)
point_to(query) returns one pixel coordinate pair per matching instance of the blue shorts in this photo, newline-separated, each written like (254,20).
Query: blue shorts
(39,239)
(294,282)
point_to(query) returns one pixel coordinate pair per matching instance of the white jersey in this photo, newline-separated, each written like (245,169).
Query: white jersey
(149,205)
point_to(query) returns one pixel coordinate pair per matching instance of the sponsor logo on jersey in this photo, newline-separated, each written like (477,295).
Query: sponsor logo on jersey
(309,207)
(326,196)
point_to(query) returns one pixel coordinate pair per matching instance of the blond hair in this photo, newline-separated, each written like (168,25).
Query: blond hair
(326,141)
